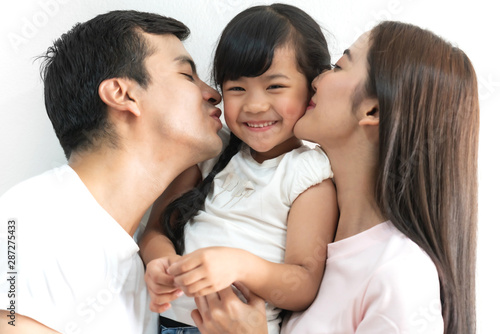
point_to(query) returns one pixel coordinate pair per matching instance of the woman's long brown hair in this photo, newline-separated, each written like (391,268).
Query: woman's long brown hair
(427,181)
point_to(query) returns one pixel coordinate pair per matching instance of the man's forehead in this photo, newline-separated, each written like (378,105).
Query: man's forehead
(186,59)
(167,43)
(170,47)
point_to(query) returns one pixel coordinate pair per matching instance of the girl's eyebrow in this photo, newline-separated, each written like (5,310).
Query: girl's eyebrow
(265,76)
(276,76)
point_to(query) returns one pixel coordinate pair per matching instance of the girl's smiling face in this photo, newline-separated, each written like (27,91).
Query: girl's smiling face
(262,111)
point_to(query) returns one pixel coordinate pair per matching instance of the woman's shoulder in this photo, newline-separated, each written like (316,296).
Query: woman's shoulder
(403,262)
(404,288)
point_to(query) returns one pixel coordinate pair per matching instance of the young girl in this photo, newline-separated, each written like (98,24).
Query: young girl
(263,214)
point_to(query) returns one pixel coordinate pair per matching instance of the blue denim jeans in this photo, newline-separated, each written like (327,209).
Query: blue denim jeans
(179,330)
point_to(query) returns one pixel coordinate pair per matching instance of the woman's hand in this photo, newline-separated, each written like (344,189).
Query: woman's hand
(207,270)
(224,313)
(161,285)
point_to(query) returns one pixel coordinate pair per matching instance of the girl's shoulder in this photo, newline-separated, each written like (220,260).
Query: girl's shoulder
(303,168)
(309,157)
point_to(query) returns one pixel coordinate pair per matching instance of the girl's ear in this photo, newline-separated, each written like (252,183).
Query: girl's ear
(117,93)
(370,113)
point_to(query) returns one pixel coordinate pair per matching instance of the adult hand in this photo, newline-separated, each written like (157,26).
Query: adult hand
(208,270)
(160,284)
(224,313)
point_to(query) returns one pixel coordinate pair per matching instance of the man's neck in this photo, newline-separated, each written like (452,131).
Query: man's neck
(124,185)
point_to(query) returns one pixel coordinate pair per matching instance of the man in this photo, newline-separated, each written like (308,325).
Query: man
(131,114)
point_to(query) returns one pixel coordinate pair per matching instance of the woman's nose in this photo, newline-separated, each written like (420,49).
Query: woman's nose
(314,83)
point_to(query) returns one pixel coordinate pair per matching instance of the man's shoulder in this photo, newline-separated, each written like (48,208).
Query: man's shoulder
(49,177)
(38,192)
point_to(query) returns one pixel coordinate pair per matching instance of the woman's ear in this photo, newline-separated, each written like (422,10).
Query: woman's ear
(370,113)
(117,94)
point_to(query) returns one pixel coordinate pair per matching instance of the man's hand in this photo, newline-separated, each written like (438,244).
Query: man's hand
(224,313)
(161,285)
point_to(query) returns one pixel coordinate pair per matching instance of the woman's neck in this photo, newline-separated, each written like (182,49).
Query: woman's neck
(355,183)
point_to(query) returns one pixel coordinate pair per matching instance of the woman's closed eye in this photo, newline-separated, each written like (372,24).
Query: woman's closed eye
(189,76)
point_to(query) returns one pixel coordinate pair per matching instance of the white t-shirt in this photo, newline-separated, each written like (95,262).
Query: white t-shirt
(248,209)
(77,270)
(376,282)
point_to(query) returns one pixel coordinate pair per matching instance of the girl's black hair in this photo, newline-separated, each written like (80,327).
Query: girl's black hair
(246,49)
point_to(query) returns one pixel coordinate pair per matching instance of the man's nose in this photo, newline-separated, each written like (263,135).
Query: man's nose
(209,94)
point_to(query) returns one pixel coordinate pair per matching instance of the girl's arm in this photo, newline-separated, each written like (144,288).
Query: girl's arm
(156,250)
(293,285)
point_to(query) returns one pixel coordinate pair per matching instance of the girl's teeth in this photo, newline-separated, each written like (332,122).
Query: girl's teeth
(261,125)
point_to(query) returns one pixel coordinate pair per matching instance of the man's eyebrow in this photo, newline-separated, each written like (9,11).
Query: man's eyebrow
(186,59)
(347,52)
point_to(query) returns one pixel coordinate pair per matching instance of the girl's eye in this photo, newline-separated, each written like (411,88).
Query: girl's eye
(236,89)
(275,86)
(190,77)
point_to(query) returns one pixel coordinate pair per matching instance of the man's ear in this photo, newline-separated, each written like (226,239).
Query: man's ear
(116,93)
(371,113)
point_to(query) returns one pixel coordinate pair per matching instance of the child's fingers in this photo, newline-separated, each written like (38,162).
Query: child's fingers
(156,276)
(195,288)
(209,290)
(161,303)
(161,286)
(165,298)
(185,264)
(159,308)
(190,278)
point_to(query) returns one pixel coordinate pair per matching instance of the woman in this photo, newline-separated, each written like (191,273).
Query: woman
(398,117)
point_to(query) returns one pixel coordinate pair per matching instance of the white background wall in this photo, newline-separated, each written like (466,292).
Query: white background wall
(28,145)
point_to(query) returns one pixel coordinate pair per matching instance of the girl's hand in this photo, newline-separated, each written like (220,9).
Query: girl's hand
(224,313)
(207,270)
(160,284)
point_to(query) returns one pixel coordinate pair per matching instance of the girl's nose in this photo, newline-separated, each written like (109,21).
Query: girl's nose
(256,103)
